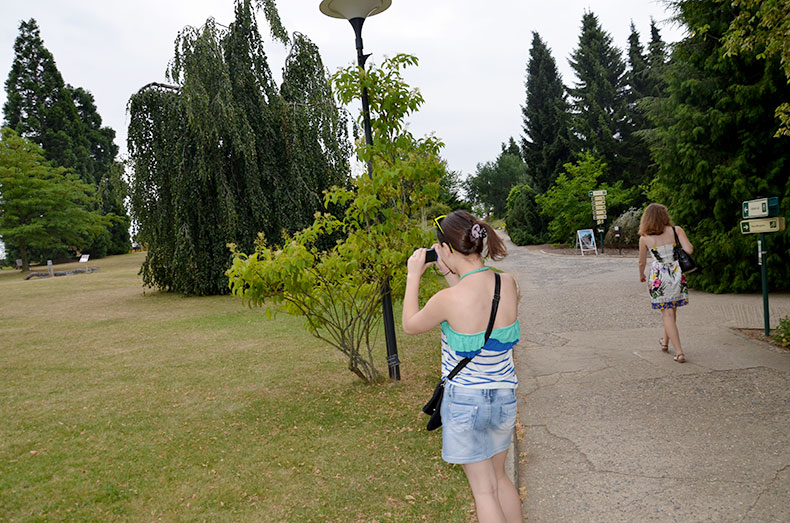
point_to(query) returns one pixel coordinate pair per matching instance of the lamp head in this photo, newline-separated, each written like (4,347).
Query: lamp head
(350,9)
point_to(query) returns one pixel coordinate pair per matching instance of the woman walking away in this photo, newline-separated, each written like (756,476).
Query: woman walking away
(479,404)
(667,283)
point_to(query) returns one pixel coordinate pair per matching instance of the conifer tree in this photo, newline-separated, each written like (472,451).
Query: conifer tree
(599,120)
(64,121)
(656,63)
(635,151)
(39,105)
(545,144)
(715,147)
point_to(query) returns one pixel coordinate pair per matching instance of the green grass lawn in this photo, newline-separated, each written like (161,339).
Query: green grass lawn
(118,402)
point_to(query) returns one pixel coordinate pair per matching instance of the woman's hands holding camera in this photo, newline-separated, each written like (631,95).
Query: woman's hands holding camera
(416,263)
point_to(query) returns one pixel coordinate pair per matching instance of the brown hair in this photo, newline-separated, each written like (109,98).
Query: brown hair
(457,231)
(654,220)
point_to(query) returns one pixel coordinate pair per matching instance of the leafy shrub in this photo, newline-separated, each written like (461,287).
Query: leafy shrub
(567,203)
(436,209)
(629,229)
(338,290)
(782,332)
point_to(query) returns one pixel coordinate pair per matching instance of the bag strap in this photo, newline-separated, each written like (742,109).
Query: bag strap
(494,308)
(677,241)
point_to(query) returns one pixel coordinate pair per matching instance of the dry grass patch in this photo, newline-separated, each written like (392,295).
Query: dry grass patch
(120,403)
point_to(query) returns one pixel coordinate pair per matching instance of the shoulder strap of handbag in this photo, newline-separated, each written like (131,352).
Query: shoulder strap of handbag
(494,308)
(677,241)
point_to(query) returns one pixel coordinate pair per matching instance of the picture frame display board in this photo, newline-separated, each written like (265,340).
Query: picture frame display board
(585,238)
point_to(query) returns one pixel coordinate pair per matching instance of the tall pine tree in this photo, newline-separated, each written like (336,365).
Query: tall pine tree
(40,106)
(64,121)
(656,63)
(635,151)
(545,145)
(599,100)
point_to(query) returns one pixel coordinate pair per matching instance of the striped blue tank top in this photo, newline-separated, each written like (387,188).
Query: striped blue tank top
(492,366)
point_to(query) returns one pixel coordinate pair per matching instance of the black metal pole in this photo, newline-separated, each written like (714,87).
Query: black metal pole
(386,295)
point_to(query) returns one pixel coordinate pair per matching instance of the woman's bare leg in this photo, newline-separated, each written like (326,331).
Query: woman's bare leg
(483,480)
(509,499)
(671,330)
(665,339)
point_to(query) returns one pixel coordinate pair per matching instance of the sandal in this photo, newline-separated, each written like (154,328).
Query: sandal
(680,358)
(664,346)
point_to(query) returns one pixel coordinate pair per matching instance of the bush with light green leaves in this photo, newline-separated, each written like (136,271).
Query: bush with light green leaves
(338,291)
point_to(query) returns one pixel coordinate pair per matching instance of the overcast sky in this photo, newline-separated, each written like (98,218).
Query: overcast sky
(473,55)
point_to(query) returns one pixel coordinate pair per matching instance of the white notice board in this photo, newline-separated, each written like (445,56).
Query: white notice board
(586,241)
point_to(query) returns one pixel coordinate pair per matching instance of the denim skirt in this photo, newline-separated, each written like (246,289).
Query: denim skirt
(476,423)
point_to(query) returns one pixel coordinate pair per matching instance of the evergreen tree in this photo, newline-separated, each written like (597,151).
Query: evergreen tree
(40,107)
(638,81)
(64,121)
(635,151)
(600,119)
(545,144)
(656,63)
(763,24)
(42,207)
(715,148)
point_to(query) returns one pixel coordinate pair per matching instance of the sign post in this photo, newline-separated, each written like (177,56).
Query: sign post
(764,276)
(599,211)
(761,216)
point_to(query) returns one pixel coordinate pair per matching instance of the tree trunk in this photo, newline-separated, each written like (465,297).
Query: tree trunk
(23,254)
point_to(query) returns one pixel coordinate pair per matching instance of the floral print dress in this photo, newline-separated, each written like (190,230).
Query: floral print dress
(667,283)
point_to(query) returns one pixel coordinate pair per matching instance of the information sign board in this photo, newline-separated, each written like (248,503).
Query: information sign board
(761,208)
(763,225)
(586,240)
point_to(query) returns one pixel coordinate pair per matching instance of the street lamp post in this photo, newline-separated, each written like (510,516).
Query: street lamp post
(356,11)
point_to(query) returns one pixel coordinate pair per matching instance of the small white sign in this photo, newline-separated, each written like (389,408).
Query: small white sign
(586,240)
(84,258)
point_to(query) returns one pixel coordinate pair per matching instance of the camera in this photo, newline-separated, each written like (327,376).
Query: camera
(430,255)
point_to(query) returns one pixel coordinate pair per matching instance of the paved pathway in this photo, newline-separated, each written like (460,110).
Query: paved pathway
(614,430)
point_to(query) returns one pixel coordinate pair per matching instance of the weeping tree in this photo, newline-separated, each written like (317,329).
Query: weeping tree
(315,132)
(222,154)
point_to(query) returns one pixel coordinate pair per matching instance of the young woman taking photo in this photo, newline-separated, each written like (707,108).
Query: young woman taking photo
(479,404)
(667,283)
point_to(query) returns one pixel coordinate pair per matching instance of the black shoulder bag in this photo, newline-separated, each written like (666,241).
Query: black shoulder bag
(686,262)
(434,405)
